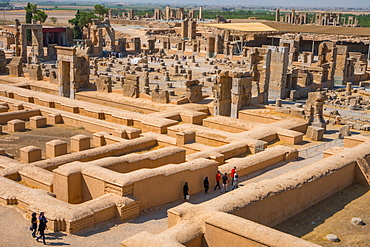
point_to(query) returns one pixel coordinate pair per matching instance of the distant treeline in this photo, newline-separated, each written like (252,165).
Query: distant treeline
(363,20)
(239,14)
(140,12)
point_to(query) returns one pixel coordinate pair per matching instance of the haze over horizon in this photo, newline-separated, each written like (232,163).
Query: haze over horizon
(312,3)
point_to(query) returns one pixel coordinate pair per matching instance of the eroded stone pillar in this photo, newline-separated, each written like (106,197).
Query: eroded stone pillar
(240,92)
(222,94)
(210,47)
(184,29)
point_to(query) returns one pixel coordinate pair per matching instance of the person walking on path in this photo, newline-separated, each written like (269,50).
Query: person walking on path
(34,224)
(42,227)
(206,185)
(185,191)
(235,181)
(218,179)
(224,182)
(232,175)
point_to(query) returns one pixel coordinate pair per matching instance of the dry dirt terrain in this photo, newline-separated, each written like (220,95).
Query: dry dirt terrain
(12,142)
(62,15)
(333,216)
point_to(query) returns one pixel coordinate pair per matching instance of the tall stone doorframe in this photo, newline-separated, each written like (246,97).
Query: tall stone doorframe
(73,71)
(231,91)
(37,40)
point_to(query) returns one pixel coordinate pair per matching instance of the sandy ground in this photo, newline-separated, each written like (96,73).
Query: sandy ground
(333,216)
(62,15)
(12,142)
(105,234)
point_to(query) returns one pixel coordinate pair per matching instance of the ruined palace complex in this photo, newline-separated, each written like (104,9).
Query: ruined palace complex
(108,127)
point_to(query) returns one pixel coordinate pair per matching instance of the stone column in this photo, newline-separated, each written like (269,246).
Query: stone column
(200,13)
(277,15)
(192,29)
(222,94)
(278,71)
(210,47)
(151,45)
(122,45)
(240,94)
(137,45)
(349,88)
(184,29)
(168,12)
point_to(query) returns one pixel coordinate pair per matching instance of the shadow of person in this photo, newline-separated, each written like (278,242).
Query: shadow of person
(52,236)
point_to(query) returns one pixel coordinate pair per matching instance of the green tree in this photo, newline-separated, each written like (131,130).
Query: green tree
(29,10)
(40,16)
(33,13)
(100,10)
(81,20)
(53,19)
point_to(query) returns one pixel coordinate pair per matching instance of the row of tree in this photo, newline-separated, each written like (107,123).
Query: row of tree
(83,19)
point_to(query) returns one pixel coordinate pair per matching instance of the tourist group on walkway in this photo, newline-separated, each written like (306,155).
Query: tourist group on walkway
(220,178)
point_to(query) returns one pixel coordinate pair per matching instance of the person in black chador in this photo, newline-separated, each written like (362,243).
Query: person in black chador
(206,185)
(34,224)
(42,227)
(185,190)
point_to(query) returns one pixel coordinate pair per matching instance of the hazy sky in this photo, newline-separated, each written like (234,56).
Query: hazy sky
(305,3)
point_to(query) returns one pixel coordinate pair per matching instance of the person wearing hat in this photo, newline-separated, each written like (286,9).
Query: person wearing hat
(34,225)
(42,227)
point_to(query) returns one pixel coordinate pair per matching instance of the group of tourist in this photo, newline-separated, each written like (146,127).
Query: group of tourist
(219,177)
(114,54)
(225,179)
(41,226)
(154,59)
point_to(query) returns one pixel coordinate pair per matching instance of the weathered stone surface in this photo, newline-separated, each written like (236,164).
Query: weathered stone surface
(130,86)
(35,72)
(344,131)
(193,91)
(15,67)
(161,97)
(315,133)
(104,84)
(315,107)
(357,221)
(332,238)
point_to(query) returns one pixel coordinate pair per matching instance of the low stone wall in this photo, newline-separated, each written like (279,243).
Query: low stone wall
(355,140)
(267,202)
(22,114)
(63,216)
(223,227)
(261,160)
(247,115)
(120,148)
(91,124)
(37,177)
(77,182)
(133,118)
(151,159)
(304,196)
(220,154)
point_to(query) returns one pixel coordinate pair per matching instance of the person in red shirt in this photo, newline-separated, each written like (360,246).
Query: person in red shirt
(232,175)
(218,179)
